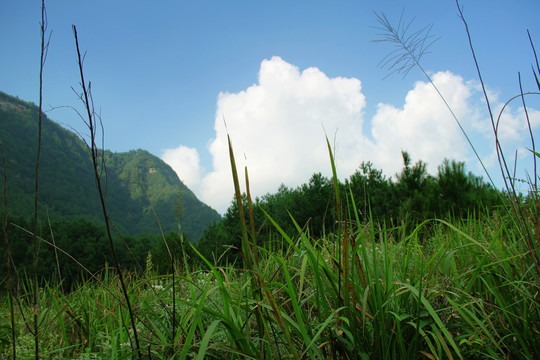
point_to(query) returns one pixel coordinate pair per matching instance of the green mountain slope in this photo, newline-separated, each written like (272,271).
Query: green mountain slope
(67,186)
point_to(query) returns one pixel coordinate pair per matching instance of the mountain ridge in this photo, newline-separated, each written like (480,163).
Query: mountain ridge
(135,181)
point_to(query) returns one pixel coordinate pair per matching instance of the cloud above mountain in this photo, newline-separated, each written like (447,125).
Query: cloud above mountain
(185,161)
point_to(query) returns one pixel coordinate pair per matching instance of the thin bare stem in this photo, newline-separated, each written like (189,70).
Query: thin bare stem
(43,57)
(408,52)
(508,179)
(509,184)
(537,71)
(535,185)
(98,172)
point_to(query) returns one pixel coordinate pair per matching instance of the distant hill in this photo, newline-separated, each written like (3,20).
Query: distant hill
(67,186)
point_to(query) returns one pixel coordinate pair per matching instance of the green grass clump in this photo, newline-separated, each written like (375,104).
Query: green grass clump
(460,289)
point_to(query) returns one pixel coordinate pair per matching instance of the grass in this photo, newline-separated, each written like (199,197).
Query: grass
(457,289)
(460,289)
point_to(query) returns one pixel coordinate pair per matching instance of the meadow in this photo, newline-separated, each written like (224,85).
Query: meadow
(459,287)
(466,288)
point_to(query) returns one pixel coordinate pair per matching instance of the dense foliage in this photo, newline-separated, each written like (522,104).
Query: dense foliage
(82,250)
(411,267)
(136,181)
(412,197)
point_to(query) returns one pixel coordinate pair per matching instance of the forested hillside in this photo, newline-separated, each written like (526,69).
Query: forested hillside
(135,181)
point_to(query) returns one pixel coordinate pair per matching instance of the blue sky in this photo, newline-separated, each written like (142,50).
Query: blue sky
(166,73)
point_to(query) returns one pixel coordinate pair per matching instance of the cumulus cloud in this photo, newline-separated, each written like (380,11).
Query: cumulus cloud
(278,126)
(185,162)
(424,126)
(512,125)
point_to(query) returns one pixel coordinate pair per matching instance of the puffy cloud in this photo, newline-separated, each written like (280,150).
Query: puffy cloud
(512,126)
(424,126)
(278,125)
(513,130)
(185,162)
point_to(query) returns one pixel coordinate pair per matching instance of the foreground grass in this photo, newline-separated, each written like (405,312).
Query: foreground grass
(460,289)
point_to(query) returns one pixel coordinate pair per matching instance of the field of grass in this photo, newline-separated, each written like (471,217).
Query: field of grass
(465,288)
(461,289)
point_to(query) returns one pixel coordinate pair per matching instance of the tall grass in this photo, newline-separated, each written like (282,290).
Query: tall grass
(450,289)
(43,56)
(456,289)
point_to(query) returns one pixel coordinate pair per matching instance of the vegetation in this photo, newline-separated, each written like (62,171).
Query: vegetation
(136,181)
(411,199)
(421,267)
(455,288)
(86,242)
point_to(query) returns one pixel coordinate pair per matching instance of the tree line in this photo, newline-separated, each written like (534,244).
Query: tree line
(411,197)
(83,251)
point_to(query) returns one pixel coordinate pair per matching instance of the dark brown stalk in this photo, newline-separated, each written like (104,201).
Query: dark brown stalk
(86,98)
(505,172)
(43,56)
(535,73)
(523,99)
(8,255)
(535,187)
(533,183)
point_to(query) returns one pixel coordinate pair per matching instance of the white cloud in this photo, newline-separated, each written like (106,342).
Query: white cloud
(424,126)
(513,130)
(185,162)
(512,127)
(277,127)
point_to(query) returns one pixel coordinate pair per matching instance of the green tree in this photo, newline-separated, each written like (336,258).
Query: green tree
(372,193)
(461,192)
(414,190)
(454,186)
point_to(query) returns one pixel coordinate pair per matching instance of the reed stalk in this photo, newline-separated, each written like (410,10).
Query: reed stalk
(90,122)
(43,56)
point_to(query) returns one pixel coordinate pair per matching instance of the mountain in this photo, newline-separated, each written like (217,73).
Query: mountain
(134,181)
